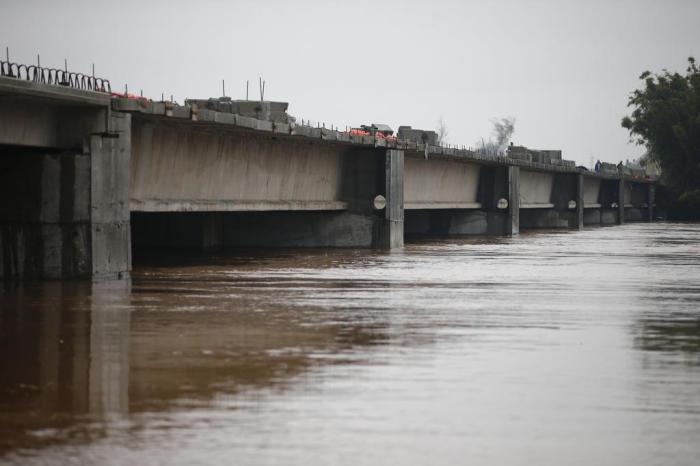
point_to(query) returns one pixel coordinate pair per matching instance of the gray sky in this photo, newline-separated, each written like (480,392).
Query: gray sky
(563,69)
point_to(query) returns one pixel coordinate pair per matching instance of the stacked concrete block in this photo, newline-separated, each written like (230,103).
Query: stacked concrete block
(418,136)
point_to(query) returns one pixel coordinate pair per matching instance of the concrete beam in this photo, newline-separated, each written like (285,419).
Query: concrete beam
(428,205)
(165,205)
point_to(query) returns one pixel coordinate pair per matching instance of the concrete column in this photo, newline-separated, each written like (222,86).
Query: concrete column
(651,197)
(578,221)
(513,219)
(621,201)
(392,234)
(64,192)
(110,161)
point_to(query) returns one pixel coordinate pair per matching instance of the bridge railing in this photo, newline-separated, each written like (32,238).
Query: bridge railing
(53,76)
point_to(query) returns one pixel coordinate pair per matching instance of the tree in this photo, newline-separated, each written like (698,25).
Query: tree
(503,129)
(666,120)
(442,132)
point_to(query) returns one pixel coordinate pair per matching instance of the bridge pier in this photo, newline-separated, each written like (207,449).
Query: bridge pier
(621,201)
(513,212)
(578,219)
(651,198)
(391,231)
(64,211)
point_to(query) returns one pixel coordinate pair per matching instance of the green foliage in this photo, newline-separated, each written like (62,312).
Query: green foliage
(666,119)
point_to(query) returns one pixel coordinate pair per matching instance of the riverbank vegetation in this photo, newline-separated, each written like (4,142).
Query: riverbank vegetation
(665,119)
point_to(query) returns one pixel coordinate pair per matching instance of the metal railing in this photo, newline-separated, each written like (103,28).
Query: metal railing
(53,76)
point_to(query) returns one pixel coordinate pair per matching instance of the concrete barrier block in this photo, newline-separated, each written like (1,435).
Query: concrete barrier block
(282,128)
(129,105)
(246,122)
(155,108)
(302,131)
(205,115)
(225,118)
(263,125)
(180,111)
(329,135)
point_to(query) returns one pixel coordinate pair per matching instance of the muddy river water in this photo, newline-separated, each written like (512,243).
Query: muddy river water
(549,348)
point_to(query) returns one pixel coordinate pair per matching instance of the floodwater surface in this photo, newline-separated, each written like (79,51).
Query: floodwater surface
(550,348)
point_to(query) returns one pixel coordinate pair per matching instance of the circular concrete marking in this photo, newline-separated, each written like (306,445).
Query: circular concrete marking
(379,202)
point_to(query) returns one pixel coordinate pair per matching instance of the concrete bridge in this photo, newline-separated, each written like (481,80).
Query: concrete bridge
(85,177)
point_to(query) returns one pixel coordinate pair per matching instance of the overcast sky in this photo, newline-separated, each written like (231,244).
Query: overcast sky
(563,69)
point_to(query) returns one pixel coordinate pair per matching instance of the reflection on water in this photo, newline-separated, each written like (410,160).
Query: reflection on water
(64,360)
(550,348)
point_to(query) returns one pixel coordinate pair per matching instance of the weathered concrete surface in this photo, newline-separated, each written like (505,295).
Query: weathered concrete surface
(609,216)
(638,194)
(221,230)
(43,124)
(454,222)
(621,199)
(591,192)
(64,213)
(591,216)
(546,218)
(300,229)
(441,184)
(514,198)
(578,223)
(634,214)
(110,157)
(536,189)
(391,235)
(608,193)
(178,168)
(362,175)
(44,212)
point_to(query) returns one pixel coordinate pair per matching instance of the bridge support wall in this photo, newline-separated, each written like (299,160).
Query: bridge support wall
(552,207)
(482,191)
(364,174)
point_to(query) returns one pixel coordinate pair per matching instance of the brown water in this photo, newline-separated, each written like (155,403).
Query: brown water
(550,348)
